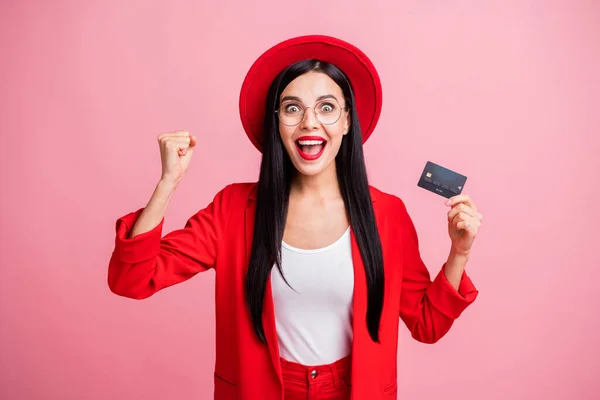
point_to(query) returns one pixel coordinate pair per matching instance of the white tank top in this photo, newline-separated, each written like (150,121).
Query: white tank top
(314,322)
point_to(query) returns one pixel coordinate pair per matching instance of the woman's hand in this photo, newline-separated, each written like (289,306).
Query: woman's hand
(464,221)
(176,149)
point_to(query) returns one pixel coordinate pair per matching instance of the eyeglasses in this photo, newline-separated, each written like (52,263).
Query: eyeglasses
(327,112)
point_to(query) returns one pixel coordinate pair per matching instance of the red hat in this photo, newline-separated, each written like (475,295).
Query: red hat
(351,60)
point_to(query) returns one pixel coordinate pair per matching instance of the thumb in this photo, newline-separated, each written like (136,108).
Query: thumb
(193,142)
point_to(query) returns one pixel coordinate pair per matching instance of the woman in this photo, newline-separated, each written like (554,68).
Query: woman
(322,324)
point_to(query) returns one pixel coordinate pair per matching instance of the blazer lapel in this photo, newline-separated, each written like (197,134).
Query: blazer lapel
(268,316)
(361,338)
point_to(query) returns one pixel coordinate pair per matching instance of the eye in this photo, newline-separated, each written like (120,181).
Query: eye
(292,109)
(326,107)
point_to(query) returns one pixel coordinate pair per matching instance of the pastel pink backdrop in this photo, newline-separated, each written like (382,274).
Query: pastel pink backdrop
(506,92)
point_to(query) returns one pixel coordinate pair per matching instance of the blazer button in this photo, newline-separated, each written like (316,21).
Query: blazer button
(313,373)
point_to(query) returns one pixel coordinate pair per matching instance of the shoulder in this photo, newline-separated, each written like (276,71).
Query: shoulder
(386,201)
(237,192)
(392,209)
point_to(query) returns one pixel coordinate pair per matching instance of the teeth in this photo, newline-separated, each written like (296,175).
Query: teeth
(310,142)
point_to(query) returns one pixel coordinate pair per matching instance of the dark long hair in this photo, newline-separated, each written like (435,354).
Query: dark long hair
(276,173)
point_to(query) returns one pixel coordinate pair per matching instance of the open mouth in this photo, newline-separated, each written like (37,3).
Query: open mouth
(311,148)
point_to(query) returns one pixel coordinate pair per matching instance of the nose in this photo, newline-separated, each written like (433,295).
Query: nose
(309,119)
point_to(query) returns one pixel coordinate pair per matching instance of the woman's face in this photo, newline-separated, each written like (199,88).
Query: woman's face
(311,144)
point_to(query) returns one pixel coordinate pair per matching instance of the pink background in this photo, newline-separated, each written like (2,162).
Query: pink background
(505,92)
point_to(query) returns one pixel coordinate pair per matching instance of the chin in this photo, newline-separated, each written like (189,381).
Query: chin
(310,171)
(311,168)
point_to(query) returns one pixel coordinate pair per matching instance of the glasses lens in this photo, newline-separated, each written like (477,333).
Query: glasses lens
(328,111)
(290,113)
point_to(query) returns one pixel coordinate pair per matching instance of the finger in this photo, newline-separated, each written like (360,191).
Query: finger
(459,217)
(465,218)
(190,148)
(462,225)
(173,134)
(169,137)
(471,226)
(179,142)
(466,227)
(180,132)
(461,198)
(180,145)
(462,208)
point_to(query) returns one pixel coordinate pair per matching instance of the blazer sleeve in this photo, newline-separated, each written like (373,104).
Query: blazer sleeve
(428,308)
(147,263)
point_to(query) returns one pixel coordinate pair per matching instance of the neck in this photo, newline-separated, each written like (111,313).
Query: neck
(323,186)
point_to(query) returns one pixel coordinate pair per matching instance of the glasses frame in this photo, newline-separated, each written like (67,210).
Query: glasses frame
(316,113)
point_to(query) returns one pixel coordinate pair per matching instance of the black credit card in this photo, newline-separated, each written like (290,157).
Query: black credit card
(442,181)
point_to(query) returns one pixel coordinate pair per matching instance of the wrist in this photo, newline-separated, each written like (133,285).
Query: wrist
(455,253)
(167,184)
(164,191)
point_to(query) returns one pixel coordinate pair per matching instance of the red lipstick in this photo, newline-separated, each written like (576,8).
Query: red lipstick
(308,142)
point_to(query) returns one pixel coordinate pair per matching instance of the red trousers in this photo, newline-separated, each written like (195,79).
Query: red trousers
(330,381)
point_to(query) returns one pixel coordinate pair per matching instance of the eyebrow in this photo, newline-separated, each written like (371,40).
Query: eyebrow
(295,98)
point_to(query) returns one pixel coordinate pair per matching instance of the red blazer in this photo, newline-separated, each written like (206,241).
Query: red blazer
(220,237)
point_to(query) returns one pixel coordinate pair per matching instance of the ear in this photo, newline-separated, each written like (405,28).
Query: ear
(347,124)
